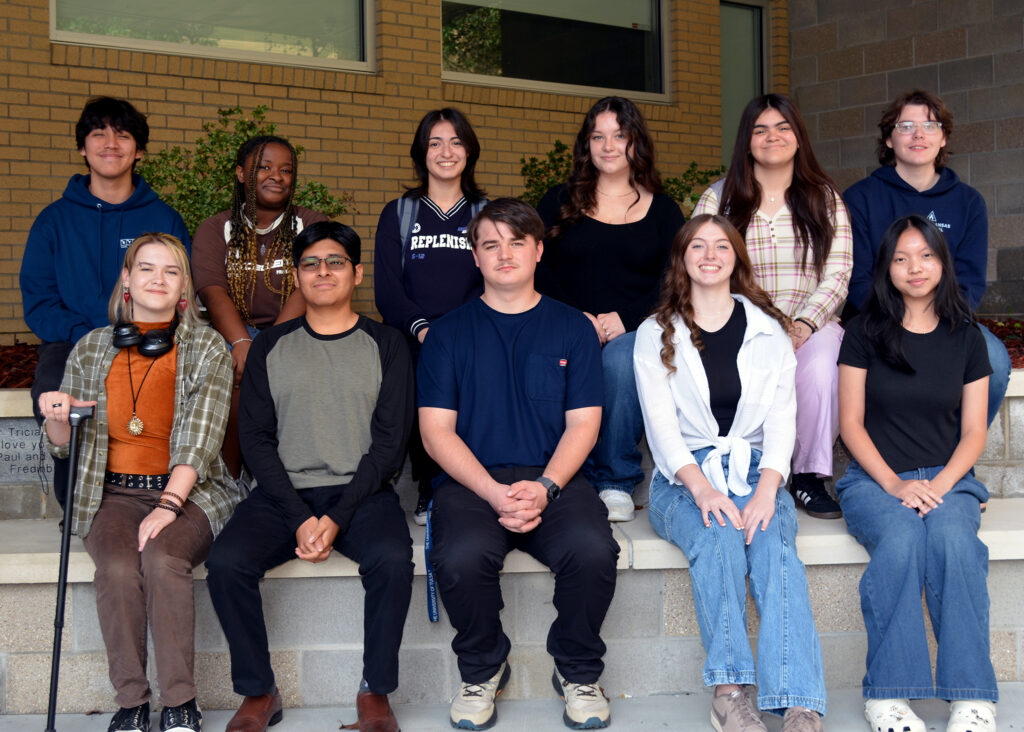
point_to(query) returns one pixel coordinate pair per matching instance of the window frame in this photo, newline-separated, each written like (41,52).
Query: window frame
(368,66)
(554,87)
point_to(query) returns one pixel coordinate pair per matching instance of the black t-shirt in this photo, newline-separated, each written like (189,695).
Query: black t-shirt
(721,348)
(914,419)
(608,268)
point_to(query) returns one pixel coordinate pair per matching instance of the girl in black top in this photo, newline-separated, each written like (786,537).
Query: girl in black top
(609,233)
(423,259)
(913,393)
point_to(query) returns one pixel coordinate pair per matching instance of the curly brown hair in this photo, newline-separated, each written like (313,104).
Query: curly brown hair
(675,288)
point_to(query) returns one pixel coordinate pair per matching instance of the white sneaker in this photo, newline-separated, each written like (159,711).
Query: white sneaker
(974,715)
(892,715)
(473,706)
(619,503)
(586,706)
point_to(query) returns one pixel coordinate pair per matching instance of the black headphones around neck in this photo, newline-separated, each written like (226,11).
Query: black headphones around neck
(153,343)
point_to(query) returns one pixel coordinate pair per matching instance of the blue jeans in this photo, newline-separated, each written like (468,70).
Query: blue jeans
(939,553)
(999,359)
(788,670)
(615,461)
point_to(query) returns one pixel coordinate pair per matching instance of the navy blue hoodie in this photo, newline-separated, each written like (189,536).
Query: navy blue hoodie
(952,205)
(75,252)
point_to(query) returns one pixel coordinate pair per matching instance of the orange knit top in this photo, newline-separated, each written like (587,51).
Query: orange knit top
(153,384)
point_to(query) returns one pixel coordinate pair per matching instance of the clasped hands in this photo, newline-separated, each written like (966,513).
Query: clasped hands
(519,505)
(314,538)
(920,495)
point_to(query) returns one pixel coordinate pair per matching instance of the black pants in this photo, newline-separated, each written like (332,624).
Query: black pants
(574,539)
(256,539)
(49,374)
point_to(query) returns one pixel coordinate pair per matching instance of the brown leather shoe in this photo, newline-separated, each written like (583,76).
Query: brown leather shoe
(375,713)
(257,713)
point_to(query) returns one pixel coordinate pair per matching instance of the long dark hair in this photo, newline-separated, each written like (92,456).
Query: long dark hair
(243,246)
(885,307)
(581,188)
(811,196)
(676,288)
(421,143)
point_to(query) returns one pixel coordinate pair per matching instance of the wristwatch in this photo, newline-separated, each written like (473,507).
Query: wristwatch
(554,490)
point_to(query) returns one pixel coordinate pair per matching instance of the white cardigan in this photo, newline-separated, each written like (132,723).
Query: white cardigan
(677,408)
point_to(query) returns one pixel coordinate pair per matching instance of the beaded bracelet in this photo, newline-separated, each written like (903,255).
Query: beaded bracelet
(168,506)
(235,343)
(172,493)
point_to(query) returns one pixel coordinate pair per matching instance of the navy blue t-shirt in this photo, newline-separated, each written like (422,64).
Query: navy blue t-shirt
(511,378)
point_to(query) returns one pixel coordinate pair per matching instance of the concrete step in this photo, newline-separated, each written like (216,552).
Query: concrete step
(671,713)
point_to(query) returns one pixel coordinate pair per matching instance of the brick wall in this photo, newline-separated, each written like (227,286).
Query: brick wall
(850,59)
(356,128)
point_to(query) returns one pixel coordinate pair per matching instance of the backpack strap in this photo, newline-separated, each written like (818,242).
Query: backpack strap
(408,209)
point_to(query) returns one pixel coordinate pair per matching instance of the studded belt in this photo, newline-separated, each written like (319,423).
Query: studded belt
(134,480)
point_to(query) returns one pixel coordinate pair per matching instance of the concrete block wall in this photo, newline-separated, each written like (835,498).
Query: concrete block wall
(316,629)
(849,60)
(356,127)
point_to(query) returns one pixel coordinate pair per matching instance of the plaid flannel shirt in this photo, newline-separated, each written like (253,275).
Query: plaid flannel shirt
(202,396)
(775,252)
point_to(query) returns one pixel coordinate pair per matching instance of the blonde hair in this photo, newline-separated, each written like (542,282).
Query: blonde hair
(120,311)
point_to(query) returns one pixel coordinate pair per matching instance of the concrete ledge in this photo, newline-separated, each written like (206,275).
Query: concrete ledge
(18,402)
(29,549)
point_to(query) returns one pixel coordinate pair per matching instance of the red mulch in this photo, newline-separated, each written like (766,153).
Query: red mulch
(18,362)
(17,366)
(1011,333)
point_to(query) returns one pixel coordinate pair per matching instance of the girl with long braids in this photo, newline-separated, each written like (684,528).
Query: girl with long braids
(241,258)
(798,234)
(913,404)
(715,371)
(609,232)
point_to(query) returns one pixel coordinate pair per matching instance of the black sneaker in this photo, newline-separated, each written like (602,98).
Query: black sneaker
(419,516)
(809,491)
(133,719)
(183,718)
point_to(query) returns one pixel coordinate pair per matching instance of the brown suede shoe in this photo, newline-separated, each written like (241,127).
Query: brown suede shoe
(375,713)
(257,713)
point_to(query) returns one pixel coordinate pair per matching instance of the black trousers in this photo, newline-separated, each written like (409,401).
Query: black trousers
(49,374)
(574,539)
(256,539)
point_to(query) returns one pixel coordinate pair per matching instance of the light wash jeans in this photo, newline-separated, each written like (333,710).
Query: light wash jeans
(939,553)
(788,670)
(615,461)
(999,359)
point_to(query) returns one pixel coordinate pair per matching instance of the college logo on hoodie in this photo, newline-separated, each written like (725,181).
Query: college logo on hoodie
(125,243)
(931,217)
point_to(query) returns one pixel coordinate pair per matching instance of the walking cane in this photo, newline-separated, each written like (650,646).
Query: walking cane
(75,418)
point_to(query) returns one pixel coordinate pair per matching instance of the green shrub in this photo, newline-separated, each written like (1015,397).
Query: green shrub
(543,174)
(198,182)
(554,168)
(687,188)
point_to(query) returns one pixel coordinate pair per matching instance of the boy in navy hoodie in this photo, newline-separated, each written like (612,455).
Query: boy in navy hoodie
(76,246)
(913,179)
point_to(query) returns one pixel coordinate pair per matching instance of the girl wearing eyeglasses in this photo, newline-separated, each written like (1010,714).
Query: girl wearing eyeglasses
(798,235)
(913,178)
(241,258)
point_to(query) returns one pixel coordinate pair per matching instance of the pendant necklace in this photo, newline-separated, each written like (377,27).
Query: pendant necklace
(135,424)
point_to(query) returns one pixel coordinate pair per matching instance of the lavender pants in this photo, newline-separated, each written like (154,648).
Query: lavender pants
(817,401)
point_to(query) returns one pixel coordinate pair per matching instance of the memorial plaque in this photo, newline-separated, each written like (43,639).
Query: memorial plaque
(22,457)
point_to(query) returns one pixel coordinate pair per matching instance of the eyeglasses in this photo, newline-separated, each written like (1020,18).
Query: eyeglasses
(334,262)
(929,127)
